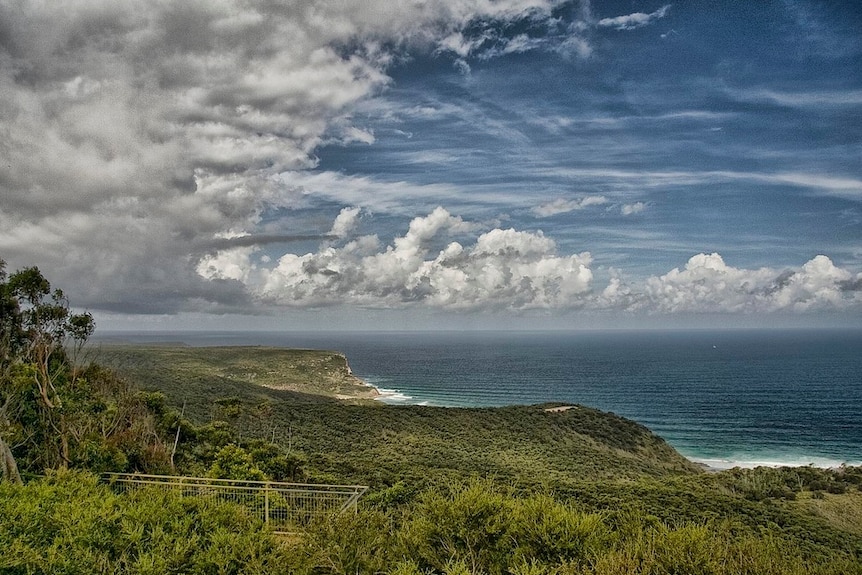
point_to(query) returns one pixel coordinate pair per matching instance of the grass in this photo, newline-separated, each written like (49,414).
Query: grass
(842,511)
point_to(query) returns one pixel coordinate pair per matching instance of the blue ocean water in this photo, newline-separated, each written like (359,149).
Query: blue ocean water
(725,398)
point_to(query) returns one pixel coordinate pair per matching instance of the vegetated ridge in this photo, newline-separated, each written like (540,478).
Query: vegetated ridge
(293,397)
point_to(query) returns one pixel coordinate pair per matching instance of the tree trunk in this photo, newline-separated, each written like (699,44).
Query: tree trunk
(8,464)
(64,452)
(177,437)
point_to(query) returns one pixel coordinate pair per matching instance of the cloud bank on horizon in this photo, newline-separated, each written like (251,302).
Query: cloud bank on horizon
(511,270)
(167,157)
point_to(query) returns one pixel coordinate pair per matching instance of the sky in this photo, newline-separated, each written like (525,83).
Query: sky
(436,164)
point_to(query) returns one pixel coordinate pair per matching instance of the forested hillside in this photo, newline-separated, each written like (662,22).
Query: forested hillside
(370,442)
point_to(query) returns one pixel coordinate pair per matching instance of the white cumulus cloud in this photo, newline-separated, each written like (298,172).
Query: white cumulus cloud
(443,261)
(707,284)
(498,269)
(345,223)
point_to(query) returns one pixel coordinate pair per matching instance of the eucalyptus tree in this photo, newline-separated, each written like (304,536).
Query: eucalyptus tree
(39,339)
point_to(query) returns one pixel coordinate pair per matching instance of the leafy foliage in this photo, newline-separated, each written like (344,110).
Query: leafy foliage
(233,462)
(54,412)
(67,523)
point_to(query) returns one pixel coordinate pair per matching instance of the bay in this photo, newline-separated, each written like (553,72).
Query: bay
(725,397)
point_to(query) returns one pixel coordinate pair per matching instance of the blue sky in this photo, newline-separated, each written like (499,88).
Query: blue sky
(527,163)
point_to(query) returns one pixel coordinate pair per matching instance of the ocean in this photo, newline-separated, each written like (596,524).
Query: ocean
(724,398)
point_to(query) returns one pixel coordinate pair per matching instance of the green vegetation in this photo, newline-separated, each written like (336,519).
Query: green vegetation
(195,374)
(368,442)
(68,523)
(530,490)
(54,413)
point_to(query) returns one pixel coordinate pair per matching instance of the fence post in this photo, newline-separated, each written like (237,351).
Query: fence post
(266,503)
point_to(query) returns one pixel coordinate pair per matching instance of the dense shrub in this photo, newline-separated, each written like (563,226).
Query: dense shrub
(478,528)
(68,523)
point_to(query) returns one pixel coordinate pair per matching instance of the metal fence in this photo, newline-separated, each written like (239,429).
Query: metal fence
(285,506)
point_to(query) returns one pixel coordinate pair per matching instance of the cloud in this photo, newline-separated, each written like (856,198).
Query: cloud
(228,264)
(811,99)
(445,262)
(345,222)
(544,31)
(575,47)
(635,20)
(497,269)
(816,182)
(246,240)
(363,191)
(460,45)
(562,206)
(708,284)
(135,135)
(635,208)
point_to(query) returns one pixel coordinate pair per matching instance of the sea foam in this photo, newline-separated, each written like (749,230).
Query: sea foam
(790,461)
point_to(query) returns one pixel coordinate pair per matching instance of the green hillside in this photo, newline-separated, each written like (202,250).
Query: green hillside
(289,395)
(197,374)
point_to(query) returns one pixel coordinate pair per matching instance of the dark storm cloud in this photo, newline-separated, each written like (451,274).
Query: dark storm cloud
(136,135)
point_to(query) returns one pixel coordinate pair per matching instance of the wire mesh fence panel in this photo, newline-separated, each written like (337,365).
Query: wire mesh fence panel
(285,507)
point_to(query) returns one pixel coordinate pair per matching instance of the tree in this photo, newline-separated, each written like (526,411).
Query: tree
(37,334)
(9,342)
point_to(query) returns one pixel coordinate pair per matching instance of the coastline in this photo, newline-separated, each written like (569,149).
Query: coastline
(392,396)
(717,465)
(363,389)
(708,464)
(782,417)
